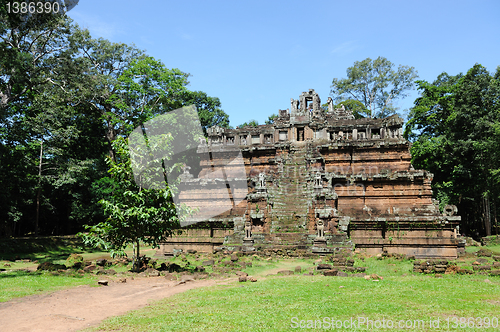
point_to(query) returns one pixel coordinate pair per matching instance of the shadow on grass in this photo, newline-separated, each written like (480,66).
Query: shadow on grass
(42,249)
(19,273)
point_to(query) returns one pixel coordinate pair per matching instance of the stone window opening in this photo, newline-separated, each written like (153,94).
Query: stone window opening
(230,140)
(268,139)
(376,133)
(257,225)
(300,134)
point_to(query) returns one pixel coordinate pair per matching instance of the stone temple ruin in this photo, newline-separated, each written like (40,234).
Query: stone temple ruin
(319,182)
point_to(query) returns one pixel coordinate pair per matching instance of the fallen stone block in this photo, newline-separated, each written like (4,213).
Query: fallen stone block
(482,267)
(330,273)
(101,262)
(324,267)
(495,273)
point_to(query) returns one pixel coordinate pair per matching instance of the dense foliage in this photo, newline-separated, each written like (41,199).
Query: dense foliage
(65,97)
(138,211)
(455,127)
(374,84)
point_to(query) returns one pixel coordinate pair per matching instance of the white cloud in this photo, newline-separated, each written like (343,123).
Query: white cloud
(186,36)
(345,48)
(96,26)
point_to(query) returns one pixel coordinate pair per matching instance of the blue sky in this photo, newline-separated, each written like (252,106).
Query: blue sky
(256,55)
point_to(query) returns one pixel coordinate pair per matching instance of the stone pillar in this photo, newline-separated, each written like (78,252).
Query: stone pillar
(261,138)
(354,134)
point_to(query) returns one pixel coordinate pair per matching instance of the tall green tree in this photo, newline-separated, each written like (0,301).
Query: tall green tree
(454,127)
(375,84)
(271,119)
(136,213)
(209,109)
(251,123)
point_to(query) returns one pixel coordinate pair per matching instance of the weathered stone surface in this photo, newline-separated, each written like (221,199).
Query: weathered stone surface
(482,267)
(495,273)
(358,275)
(484,253)
(199,269)
(101,262)
(285,272)
(102,282)
(89,268)
(209,262)
(342,274)
(330,273)
(242,278)
(312,177)
(48,266)
(464,271)
(110,272)
(324,267)
(240,273)
(482,260)
(298,269)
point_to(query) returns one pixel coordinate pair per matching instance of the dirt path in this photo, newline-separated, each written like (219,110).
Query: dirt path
(83,306)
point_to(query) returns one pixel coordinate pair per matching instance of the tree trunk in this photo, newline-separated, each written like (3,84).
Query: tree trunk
(487,219)
(110,136)
(495,222)
(39,191)
(137,257)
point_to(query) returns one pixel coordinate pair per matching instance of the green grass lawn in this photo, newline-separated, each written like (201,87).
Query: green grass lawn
(21,283)
(271,303)
(277,303)
(17,255)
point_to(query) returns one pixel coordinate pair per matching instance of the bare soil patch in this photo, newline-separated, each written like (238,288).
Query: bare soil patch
(84,306)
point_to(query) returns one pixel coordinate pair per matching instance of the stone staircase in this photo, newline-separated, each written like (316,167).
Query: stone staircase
(291,197)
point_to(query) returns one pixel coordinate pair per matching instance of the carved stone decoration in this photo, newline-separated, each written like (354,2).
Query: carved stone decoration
(330,105)
(320,228)
(344,223)
(248,230)
(311,175)
(316,104)
(450,210)
(317,180)
(294,107)
(262,180)
(186,175)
